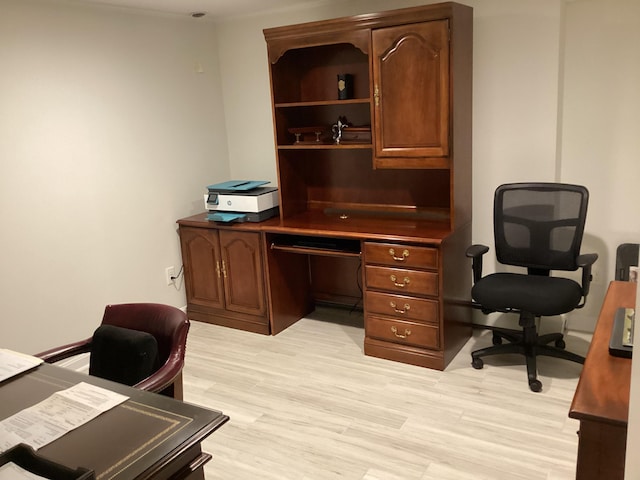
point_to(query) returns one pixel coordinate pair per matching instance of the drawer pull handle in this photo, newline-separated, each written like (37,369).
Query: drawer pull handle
(405,309)
(405,254)
(405,281)
(407,332)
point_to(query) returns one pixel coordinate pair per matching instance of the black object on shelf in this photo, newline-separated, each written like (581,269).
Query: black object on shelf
(345,86)
(25,457)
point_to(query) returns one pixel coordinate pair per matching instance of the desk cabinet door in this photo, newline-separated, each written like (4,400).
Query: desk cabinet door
(201,260)
(243,272)
(411,93)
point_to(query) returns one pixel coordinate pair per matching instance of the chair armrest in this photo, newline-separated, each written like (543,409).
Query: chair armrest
(65,351)
(476,252)
(163,377)
(171,371)
(585,261)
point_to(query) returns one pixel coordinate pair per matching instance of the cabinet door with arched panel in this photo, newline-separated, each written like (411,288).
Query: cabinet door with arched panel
(224,275)
(243,272)
(411,93)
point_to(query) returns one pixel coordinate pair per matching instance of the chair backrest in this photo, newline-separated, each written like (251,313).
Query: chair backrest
(539,225)
(123,355)
(626,256)
(169,325)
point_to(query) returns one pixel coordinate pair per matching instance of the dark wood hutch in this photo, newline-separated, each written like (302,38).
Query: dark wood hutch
(383,216)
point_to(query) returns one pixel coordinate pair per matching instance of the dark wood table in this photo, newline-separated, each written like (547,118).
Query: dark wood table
(601,401)
(147,436)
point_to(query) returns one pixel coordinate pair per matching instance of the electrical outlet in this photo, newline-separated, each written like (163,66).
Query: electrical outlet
(170,273)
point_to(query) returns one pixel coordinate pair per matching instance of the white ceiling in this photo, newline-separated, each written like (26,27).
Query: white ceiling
(215,9)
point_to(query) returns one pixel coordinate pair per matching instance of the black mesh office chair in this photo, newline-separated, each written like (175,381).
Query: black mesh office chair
(538,226)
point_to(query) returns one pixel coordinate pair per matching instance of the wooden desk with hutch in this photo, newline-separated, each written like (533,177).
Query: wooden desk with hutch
(384,221)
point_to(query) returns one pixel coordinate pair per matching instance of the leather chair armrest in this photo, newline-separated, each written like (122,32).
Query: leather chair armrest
(476,252)
(65,351)
(171,372)
(585,261)
(163,377)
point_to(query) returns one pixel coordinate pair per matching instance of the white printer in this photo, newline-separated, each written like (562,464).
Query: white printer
(240,201)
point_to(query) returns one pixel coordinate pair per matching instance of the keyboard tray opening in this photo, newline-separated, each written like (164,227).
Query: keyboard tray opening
(311,245)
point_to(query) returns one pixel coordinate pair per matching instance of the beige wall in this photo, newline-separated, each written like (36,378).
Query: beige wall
(107,136)
(600,114)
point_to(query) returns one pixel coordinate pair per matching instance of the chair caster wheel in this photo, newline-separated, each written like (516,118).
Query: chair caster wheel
(560,344)
(477,363)
(496,340)
(535,385)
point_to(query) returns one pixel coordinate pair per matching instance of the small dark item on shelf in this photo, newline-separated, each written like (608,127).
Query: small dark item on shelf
(309,135)
(345,86)
(25,457)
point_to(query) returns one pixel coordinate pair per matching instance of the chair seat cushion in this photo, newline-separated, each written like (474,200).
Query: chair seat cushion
(539,295)
(123,355)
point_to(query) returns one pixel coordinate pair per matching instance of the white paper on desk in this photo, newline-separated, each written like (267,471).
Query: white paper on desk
(11,471)
(53,417)
(12,363)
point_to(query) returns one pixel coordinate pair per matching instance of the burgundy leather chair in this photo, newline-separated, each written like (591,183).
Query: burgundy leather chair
(169,326)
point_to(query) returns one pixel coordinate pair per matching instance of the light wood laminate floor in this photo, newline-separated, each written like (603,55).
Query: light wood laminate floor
(308,404)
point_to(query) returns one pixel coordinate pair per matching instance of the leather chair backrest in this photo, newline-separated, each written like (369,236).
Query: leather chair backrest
(169,325)
(123,355)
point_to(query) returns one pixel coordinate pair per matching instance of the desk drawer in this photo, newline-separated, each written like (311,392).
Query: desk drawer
(402,280)
(402,332)
(400,255)
(401,306)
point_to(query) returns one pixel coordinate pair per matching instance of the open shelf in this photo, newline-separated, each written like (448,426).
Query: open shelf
(326,146)
(315,70)
(320,103)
